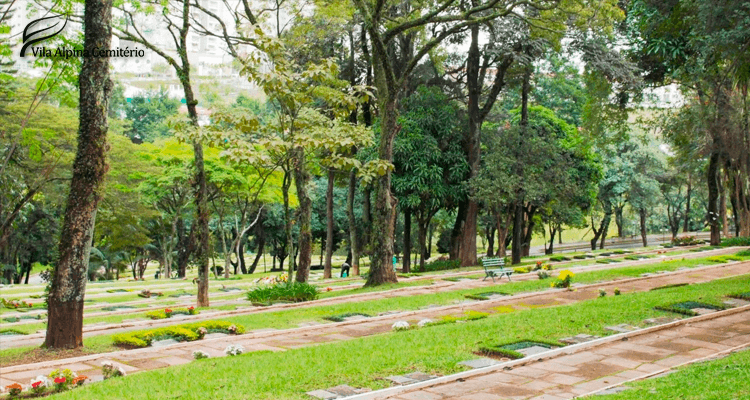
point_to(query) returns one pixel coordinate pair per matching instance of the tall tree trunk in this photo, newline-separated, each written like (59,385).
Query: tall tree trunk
(529,229)
(552,233)
(301,180)
(619,221)
(422,239)
(723,206)
(686,227)
(68,286)
(458,228)
(353,239)
(407,241)
(503,227)
(490,233)
(367,216)
(644,236)
(329,224)
(713,197)
(285,186)
(381,270)
(517,248)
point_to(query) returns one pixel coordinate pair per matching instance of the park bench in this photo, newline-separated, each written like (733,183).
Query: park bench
(490,272)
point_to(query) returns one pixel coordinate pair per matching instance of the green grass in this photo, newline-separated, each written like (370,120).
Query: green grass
(727,378)
(361,362)
(291,318)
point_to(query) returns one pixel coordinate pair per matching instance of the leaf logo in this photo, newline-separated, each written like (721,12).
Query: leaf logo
(32,36)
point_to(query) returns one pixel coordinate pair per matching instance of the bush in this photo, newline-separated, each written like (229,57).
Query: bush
(521,270)
(162,314)
(291,291)
(686,241)
(563,279)
(182,333)
(736,241)
(559,258)
(438,265)
(743,253)
(542,275)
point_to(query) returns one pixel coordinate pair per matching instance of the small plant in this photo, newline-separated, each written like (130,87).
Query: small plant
(548,267)
(62,379)
(233,329)
(521,270)
(14,390)
(538,265)
(110,371)
(602,293)
(286,291)
(542,275)
(563,279)
(736,241)
(79,380)
(192,310)
(234,350)
(686,241)
(39,385)
(400,326)
(617,292)
(199,355)
(424,322)
(202,331)
(168,312)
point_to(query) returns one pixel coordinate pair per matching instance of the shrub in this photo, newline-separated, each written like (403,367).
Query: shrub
(110,371)
(472,315)
(559,258)
(291,291)
(234,350)
(617,292)
(743,253)
(580,257)
(168,312)
(521,270)
(182,333)
(736,241)
(686,241)
(438,265)
(400,326)
(199,354)
(11,331)
(563,279)
(341,317)
(542,275)
(602,293)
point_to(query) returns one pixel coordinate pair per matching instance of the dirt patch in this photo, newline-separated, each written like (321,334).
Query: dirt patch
(38,355)
(596,370)
(640,356)
(678,347)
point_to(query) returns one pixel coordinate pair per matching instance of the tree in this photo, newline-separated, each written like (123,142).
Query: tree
(391,26)
(68,284)
(429,162)
(148,114)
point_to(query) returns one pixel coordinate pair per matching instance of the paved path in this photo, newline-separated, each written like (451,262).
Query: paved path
(440,286)
(280,340)
(597,367)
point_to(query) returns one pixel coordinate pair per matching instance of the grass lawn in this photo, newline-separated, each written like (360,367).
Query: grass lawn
(362,362)
(291,318)
(727,378)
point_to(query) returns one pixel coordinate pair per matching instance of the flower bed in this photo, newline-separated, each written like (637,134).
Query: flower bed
(56,381)
(168,312)
(181,333)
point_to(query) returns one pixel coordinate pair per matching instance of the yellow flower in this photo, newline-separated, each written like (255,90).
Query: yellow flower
(565,274)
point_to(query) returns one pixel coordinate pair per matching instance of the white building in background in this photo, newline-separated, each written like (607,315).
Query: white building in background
(208,56)
(668,96)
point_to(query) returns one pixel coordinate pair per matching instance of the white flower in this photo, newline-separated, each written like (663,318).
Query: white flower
(107,364)
(424,322)
(400,326)
(234,350)
(199,354)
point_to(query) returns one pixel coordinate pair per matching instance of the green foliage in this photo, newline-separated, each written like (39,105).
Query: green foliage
(521,270)
(559,258)
(182,333)
(686,241)
(291,291)
(673,285)
(148,114)
(438,265)
(735,241)
(685,307)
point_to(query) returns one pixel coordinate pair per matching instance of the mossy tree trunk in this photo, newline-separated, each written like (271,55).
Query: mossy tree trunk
(68,286)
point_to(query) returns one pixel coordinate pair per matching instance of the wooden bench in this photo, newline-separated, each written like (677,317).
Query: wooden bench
(488,262)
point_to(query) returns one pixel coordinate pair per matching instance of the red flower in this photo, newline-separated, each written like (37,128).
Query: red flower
(36,384)
(167,310)
(60,379)
(191,308)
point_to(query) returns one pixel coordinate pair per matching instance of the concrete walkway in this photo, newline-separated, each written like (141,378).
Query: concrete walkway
(315,333)
(599,366)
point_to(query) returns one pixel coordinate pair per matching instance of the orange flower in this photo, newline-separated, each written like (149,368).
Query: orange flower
(14,389)
(79,379)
